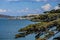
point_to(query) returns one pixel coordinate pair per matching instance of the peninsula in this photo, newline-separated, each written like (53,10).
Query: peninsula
(47,21)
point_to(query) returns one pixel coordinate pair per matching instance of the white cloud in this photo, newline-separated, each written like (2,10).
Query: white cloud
(46,7)
(24,10)
(28,0)
(38,0)
(27,10)
(12,0)
(37,10)
(3,10)
(56,7)
(41,0)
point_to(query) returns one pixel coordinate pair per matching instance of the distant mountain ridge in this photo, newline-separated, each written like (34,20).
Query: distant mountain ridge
(6,16)
(1,15)
(17,17)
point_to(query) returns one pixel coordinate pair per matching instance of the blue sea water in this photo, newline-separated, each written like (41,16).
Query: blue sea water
(8,29)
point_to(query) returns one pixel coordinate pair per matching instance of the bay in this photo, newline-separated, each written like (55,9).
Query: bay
(9,28)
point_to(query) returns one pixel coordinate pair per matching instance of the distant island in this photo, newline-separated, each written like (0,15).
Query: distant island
(6,16)
(29,16)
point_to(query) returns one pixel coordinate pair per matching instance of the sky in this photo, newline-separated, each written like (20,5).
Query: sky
(25,7)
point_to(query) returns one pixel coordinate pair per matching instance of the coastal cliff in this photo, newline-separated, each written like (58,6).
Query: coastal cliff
(47,21)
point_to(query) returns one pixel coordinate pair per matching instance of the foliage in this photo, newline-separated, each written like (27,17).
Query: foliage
(46,22)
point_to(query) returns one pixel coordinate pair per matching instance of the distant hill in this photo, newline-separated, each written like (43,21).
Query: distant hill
(6,16)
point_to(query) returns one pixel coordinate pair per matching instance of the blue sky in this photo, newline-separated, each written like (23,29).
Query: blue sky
(25,7)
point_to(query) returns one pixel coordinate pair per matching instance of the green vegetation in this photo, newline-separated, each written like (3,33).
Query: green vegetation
(46,22)
(46,17)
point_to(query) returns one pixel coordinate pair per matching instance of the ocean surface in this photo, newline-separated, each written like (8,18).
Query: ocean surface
(8,29)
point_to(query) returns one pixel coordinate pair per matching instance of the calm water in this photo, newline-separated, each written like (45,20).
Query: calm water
(8,29)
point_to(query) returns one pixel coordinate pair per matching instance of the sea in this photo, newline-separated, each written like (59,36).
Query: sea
(9,28)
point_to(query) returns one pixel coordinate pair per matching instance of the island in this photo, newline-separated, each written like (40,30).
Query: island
(29,16)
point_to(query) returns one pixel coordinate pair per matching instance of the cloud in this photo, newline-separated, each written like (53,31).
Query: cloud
(24,10)
(56,7)
(46,7)
(12,0)
(3,10)
(41,0)
(37,10)
(38,0)
(26,0)
(27,10)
